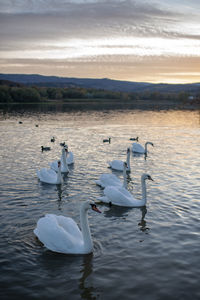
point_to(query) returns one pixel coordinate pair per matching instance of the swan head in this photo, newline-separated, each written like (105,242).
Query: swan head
(94,207)
(128,150)
(59,163)
(150,143)
(90,205)
(147,177)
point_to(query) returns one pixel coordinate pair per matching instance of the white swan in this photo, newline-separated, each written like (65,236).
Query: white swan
(119,164)
(111,179)
(61,234)
(50,176)
(69,156)
(120,196)
(64,166)
(138,148)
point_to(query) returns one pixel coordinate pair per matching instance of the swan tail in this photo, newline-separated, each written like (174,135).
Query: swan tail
(104,199)
(109,164)
(98,182)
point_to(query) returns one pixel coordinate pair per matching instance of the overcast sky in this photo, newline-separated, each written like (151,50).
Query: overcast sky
(136,40)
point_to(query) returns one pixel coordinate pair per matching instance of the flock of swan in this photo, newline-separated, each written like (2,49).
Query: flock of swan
(61,234)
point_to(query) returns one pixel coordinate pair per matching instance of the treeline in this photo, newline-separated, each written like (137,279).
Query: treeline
(22,94)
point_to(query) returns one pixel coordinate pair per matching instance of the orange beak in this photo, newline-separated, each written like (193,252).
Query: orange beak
(96,209)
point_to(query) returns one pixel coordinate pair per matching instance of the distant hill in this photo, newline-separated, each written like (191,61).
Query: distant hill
(104,83)
(10,83)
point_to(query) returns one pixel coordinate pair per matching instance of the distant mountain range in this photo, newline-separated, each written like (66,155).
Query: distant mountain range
(103,84)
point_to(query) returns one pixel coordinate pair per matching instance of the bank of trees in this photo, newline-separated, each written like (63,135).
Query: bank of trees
(22,94)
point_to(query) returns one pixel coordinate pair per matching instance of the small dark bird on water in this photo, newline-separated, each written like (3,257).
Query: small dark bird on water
(62,144)
(53,139)
(36,125)
(134,139)
(20,122)
(45,148)
(107,140)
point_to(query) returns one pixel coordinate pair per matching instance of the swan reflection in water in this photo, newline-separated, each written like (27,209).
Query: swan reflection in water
(142,223)
(122,212)
(117,211)
(86,292)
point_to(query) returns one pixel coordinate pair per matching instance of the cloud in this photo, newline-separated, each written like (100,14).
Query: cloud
(70,34)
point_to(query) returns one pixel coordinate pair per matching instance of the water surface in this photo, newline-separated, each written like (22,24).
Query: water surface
(139,253)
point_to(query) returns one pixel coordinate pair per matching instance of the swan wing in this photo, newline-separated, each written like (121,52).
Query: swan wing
(116,164)
(70,158)
(54,165)
(69,226)
(119,196)
(47,175)
(137,148)
(108,179)
(59,234)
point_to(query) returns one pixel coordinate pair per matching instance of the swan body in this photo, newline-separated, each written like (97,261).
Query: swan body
(62,234)
(138,148)
(69,155)
(120,196)
(111,179)
(64,166)
(50,176)
(119,164)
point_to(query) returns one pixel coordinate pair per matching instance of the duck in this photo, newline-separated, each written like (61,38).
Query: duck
(111,179)
(62,144)
(53,139)
(138,148)
(107,140)
(69,156)
(120,196)
(64,165)
(50,176)
(134,139)
(119,164)
(61,234)
(45,148)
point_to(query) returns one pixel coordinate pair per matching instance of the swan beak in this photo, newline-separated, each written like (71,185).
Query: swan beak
(96,209)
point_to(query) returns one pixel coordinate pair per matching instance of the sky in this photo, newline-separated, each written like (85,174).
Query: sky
(133,40)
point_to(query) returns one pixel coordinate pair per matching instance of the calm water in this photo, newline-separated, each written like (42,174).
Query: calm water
(150,253)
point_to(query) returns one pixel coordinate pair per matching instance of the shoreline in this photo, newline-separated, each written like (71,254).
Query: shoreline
(110,103)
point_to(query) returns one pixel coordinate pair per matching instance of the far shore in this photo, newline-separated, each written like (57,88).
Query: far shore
(115,103)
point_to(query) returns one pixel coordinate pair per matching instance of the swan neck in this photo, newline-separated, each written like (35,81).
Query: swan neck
(128,160)
(64,161)
(125,179)
(146,147)
(144,192)
(59,176)
(88,245)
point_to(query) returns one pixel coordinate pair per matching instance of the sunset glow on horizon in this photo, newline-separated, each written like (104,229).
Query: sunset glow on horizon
(147,41)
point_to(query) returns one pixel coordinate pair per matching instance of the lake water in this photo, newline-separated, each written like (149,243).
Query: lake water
(139,253)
